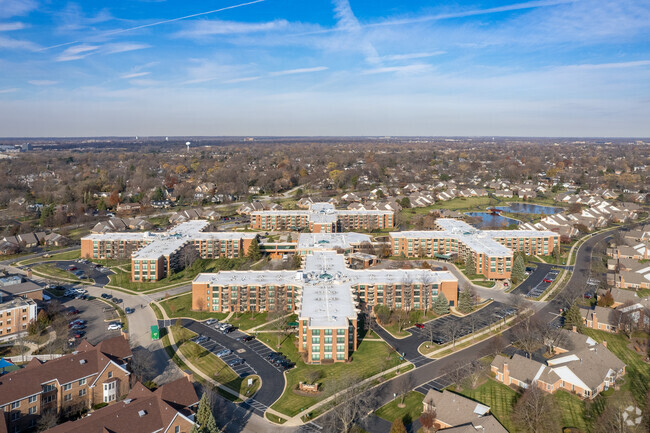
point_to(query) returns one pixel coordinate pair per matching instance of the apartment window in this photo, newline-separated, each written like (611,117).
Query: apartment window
(32,399)
(82,382)
(67,387)
(67,397)
(110,374)
(15,405)
(15,416)
(32,410)
(315,356)
(82,392)
(177,429)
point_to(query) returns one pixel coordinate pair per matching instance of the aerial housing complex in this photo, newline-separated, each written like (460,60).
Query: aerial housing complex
(322,218)
(492,249)
(326,295)
(155,255)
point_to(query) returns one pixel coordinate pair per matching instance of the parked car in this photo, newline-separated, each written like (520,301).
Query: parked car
(72,268)
(235,362)
(79,334)
(106,296)
(548,280)
(117,300)
(73,312)
(201,339)
(129,310)
(223,352)
(114,326)
(419,325)
(210,322)
(245,338)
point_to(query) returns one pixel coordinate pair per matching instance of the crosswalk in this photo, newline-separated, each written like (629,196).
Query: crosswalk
(439,383)
(420,361)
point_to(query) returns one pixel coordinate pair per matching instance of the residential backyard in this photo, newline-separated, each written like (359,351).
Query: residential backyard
(498,396)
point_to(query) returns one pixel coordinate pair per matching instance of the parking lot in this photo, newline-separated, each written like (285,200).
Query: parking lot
(486,316)
(84,269)
(543,285)
(97,315)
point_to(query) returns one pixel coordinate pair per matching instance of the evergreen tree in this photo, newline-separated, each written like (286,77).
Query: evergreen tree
(518,270)
(254,252)
(572,317)
(470,265)
(297,261)
(441,305)
(398,426)
(465,302)
(205,422)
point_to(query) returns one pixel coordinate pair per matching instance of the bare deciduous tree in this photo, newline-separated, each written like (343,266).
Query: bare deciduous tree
(537,412)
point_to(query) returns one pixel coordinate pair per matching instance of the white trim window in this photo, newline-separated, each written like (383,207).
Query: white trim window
(110,391)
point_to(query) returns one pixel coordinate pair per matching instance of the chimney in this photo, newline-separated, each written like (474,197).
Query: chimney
(605,343)
(506,374)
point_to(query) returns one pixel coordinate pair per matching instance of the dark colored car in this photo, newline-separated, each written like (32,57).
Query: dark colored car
(129,310)
(245,338)
(236,362)
(72,268)
(79,334)
(73,312)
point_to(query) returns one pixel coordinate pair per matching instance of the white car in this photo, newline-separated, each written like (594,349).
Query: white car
(114,326)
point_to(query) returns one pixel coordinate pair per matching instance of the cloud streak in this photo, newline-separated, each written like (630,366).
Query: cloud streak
(43,82)
(219,27)
(7,27)
(298,71)
(158,23)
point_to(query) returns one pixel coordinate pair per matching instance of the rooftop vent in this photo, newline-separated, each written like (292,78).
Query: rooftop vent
(127,401)
(82,361)
(142,413)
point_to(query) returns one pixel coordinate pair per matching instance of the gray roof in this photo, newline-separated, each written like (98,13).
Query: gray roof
(454,409)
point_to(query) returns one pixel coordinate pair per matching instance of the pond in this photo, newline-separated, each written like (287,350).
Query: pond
(486,220)
(530,209)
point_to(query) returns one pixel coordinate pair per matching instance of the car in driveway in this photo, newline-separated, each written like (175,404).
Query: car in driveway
(223,352)
(114,326)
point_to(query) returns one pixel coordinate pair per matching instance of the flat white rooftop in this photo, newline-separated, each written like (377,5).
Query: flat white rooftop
(322,212)
(330,241)
(481,241)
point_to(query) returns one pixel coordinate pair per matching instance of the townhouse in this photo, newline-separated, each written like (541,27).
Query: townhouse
(155,254)
(601,318)
(492,249)
(89,376)
(171,408)
(587,369)
(326,295)
(322,218)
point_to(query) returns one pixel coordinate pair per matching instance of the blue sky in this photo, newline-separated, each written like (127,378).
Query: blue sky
(321,67)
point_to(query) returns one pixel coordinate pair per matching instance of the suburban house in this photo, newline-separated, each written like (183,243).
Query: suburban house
(170,408)
(458,414)
(583,367)
(600,318)
(90,375)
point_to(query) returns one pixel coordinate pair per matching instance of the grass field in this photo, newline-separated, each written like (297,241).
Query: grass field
(248,320)
(371,358)
(181,306)
(637,377)
(499,397)
(409,413)
(54,272)
(123,279)
(68,255)
(573,410)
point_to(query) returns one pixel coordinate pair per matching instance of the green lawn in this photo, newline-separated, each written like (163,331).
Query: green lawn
(68,255)
(248,320)
(123,279)
(409,413)
(499,397)
(371,358)
(181,306)
(54,272)
(484,283)
(394,330)
(643,293)
(573,410)
(637,372)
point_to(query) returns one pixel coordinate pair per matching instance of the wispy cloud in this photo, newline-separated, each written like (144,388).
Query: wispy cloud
(298,71)
(7,27)
(602,66)
(411,56)
(123,47)
(416,68)
(72,18)
(9,90)
(242,80)
(219,27)
(348,22)
(12,8)
(158,23)
(77,52)
(42,82)
(134,75)
(84,50)
(18,44)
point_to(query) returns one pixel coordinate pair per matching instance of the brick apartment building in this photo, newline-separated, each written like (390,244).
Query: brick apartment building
(326,295)
(155,254)
(322,218)
(17,305)
(492,249)
(170,409)
(91,375)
